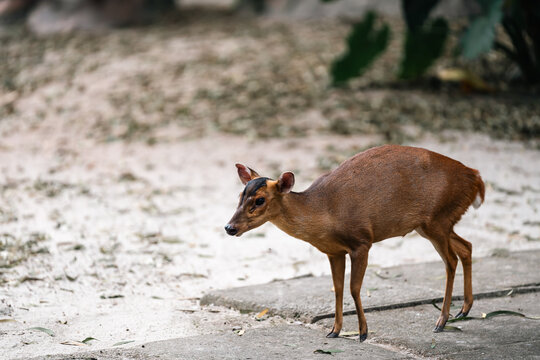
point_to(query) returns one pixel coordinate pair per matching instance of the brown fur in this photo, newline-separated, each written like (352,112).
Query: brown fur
(383,192)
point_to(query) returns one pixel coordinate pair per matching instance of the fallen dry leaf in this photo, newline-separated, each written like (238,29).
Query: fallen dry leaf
(260,315)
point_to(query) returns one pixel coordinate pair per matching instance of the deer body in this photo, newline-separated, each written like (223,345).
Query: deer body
(383,192)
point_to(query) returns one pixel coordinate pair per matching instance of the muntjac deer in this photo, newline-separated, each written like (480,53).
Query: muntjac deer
(380,193)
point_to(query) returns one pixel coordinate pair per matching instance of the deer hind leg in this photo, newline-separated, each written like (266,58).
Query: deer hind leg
(359,260)
(337,264)
(463,249)
(440,238)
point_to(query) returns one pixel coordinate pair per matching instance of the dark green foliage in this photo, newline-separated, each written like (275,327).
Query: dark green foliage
(424,40)
(521,21)
(422,47)
(424,43)
(258,6)
(159,5)
(480,34)
(364,44)
(416,12)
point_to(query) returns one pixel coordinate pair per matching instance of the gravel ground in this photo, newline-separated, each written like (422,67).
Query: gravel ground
(117,170)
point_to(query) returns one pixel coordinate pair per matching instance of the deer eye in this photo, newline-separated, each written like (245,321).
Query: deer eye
(259,201)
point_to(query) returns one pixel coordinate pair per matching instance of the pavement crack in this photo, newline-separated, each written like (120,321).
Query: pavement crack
(520,289)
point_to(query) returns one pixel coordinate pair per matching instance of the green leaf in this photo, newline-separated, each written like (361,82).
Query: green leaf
(417,11)
(466,318)
(434,303)
(171,240)
(452,328)
(72,343)
(42,329)
(480,34)
(88,339)
(422,47)
(123,342)
(71,278)
(493,314)
(503,312)
(327,351)
(111,296)
(364,45)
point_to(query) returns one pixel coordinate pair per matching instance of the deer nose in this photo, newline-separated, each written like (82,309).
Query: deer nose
(231,230)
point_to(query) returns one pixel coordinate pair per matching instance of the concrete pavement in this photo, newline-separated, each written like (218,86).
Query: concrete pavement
(498,337)
(311,298)
(400,317)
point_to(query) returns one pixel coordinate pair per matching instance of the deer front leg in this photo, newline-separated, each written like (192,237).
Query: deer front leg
(359,260)
(337,264)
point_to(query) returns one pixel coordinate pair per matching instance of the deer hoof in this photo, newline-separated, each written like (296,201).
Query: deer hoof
(438,329)
(362,337)
(332,335)
(461,315)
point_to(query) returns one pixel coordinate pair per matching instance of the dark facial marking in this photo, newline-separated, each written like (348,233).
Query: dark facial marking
(252,186)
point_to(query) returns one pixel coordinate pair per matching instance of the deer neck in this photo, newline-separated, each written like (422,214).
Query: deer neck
(302,216)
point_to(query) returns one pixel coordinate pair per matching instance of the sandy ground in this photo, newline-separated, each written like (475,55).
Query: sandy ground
(145,223)
(112,226)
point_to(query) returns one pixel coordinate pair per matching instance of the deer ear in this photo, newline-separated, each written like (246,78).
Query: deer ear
(246,174)
(286,182)
(253,173)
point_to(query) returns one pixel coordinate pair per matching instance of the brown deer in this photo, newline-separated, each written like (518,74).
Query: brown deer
(380,193)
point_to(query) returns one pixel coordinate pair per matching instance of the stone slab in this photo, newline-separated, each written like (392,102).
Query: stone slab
(500,337)
(280,342)
(311,298)
(394,334)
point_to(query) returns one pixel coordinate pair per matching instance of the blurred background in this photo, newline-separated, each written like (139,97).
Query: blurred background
(121,122)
